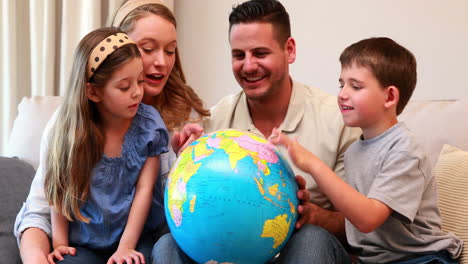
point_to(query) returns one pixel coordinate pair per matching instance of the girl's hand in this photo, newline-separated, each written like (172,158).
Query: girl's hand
(126,255)
(59,252)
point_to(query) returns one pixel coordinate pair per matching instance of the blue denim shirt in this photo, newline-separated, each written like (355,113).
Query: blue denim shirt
(113,185)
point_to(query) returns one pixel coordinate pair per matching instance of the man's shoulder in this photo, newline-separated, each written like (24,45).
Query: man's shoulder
(226,102)
(316,100)
(315,96)
(222,112)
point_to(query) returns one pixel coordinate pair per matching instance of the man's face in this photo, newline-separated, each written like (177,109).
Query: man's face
(259,63)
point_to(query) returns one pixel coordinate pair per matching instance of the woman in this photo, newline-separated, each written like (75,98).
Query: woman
(153,27)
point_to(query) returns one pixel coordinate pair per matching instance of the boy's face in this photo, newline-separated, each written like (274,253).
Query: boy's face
(259,63)
(362,100)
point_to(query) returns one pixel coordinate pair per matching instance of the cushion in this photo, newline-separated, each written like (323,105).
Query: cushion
(438,122)
(15,180)
(25,137)
(452,177)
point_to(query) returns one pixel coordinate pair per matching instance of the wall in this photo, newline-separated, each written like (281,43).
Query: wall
(435,31)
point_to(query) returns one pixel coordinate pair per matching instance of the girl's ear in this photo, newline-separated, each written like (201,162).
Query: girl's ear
(91,93)
(393,96)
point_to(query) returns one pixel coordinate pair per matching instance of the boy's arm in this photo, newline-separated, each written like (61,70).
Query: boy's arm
(138,214)
(347,200)
(333,221)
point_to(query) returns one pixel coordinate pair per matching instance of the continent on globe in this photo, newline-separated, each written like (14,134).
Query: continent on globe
(231,198)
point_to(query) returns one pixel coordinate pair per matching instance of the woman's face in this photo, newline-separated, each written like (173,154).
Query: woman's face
(156,39)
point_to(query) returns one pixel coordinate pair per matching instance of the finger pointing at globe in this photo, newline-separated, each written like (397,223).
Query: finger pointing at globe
(231,197)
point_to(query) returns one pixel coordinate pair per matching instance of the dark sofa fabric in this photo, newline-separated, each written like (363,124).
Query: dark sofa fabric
(15,181)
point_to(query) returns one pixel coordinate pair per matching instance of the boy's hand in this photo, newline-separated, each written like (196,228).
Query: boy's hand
(59,252)
(189,133)
(299,155)
(126,255)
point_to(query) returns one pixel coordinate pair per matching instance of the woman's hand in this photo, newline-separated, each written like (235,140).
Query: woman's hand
(189,133)
(126,255)
(59,252)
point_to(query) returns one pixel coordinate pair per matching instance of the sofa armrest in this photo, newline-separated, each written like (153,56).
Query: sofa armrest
(15,180)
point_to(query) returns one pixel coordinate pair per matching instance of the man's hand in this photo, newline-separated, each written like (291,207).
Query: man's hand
(313,214)
(189,133)
(305,209)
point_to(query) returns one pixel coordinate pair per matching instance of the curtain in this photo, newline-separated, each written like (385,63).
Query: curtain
(37,42)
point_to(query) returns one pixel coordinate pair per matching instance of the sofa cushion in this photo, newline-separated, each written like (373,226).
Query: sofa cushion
(452,178)
(25,137)
(15,180)
(438,122)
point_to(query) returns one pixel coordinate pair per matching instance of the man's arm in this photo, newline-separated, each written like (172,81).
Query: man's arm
(310,213)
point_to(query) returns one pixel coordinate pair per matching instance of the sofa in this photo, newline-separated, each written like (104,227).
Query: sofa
(441,124)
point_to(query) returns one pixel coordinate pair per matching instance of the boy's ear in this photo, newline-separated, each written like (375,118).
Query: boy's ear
(91,93)
(393,96)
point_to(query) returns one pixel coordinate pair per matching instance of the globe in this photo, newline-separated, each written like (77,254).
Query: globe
(231,198)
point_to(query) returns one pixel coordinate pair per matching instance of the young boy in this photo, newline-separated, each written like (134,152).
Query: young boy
(390,201)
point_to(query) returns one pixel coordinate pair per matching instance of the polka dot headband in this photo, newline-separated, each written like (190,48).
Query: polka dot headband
(104,49)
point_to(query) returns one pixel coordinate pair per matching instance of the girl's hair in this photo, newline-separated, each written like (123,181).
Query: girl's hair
(76,141)
(177,99)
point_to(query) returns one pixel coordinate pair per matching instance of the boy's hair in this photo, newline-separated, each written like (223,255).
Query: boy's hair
(177,99)
(76,141)
(389,62)
(263,11)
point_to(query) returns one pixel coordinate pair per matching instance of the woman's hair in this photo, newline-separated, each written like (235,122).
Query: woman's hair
(177,99)
(76,141)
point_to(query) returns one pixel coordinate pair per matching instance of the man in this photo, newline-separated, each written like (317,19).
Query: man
(262,49)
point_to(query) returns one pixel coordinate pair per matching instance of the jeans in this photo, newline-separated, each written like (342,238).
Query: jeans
(91,256)
(310,244)
(442,257)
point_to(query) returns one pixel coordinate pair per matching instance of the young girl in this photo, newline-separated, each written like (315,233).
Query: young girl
(103,156)
(153,27)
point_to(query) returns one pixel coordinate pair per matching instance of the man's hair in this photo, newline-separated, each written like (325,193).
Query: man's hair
(264,11)
(389,62)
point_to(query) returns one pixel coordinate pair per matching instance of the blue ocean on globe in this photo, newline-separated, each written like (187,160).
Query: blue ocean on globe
(231,198)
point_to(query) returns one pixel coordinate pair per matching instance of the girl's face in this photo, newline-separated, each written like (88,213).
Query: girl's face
(119,98)
(156,39)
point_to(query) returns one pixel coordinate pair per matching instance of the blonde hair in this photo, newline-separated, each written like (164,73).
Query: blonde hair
(177,99)
(76,141)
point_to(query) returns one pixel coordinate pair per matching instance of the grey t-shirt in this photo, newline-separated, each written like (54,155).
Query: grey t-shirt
(393,169)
